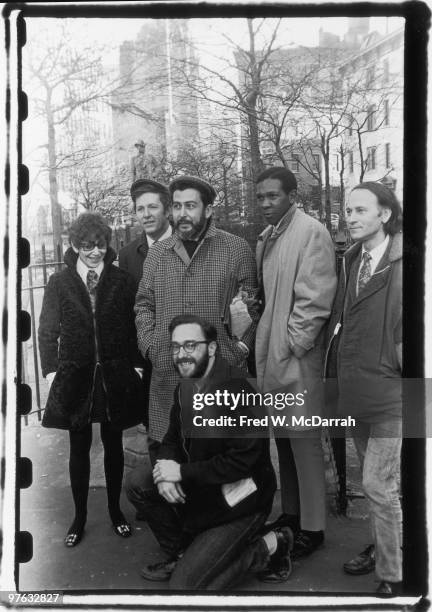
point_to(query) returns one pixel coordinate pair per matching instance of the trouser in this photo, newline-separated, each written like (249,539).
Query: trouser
(378,447)
(214,559)
(302,478)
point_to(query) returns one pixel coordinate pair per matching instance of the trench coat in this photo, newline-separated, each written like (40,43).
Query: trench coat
(173,284)
(297,273)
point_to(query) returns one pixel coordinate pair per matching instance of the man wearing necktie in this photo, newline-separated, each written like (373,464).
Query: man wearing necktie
(365,355)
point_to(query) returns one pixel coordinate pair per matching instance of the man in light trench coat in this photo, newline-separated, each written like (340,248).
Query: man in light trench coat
(297,275)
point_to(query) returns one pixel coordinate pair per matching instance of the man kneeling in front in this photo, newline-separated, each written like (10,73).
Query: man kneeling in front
(211,495)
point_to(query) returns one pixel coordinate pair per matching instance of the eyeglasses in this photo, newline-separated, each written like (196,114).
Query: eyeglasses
(89,246)
(189,346)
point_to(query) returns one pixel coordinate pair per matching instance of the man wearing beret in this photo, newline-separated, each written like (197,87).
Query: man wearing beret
(150,204)
(196,271)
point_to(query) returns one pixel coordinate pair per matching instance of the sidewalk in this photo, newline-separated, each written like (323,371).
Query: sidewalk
(105,561)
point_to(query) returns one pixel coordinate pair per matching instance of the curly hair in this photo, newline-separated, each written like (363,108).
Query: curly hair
(89,226)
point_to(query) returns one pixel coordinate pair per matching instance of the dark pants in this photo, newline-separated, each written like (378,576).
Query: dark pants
(79,468)
(214,559)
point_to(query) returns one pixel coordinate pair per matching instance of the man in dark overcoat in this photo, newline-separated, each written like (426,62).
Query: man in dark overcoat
(365,354)
(151,208)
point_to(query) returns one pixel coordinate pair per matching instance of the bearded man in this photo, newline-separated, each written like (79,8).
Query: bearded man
(211,492)
(198,270)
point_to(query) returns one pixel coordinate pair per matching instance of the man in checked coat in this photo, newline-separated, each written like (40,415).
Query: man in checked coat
(197,271)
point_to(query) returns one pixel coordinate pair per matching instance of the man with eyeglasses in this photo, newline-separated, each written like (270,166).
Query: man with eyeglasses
(198,270)
(212,492)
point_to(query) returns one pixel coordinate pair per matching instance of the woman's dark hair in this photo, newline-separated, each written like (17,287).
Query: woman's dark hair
(387,199)
(207,328)
(285,176)
(89,226)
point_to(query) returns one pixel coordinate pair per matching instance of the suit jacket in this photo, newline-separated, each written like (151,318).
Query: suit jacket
(173,284)
(132,257)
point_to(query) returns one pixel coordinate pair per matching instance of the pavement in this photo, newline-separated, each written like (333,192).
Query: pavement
(105,561)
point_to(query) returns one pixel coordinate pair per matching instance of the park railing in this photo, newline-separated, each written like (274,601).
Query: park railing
(34,280)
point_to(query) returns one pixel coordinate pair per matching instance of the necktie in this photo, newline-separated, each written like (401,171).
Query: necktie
(365,271)
(92,280)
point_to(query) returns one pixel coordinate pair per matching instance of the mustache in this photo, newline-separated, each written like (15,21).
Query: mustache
(183,220)
(185,360)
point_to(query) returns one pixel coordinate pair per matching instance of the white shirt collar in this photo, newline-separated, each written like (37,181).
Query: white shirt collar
(82,270)
(377,253)
(166,234)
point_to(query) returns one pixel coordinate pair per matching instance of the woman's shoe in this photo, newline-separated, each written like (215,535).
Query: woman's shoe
(123,529)
(73,536)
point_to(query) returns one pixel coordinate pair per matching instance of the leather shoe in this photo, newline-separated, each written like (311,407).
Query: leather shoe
(279,568)
(284,520)
(388,589)
(305,544)
(159,572)
(364,563)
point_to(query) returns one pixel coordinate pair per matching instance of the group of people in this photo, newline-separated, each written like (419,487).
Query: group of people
(129,344)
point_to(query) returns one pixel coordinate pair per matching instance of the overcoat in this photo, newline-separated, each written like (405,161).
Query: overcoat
(132,257)
(173,284)
(68,336)
(296,268)
(365,338)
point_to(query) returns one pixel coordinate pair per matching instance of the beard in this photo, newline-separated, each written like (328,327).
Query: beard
(195,227)
(198,371)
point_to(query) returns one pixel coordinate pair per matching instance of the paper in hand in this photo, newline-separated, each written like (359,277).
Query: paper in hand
(240,317)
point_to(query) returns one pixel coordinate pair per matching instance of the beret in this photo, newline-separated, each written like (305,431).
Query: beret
(146,185)
(192,181)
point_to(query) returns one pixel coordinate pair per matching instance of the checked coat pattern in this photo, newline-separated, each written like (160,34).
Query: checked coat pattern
(173,284)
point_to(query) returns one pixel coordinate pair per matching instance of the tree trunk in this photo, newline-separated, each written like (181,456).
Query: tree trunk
(52,173)
(326,151)
(342,189)
(363,164)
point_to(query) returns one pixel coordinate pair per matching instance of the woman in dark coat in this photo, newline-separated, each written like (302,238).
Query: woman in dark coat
(87,341)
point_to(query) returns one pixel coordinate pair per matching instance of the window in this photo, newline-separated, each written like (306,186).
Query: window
(371,158)
(351,162)
(371,117)
(337,162)
(387,155)
(316,159)
(294,165)
(386,71)
(370,76)
(386,112)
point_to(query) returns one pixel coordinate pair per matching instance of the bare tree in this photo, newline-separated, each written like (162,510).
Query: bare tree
(63,80)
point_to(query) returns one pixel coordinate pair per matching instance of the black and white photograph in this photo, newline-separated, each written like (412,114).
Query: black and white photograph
(216,221)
